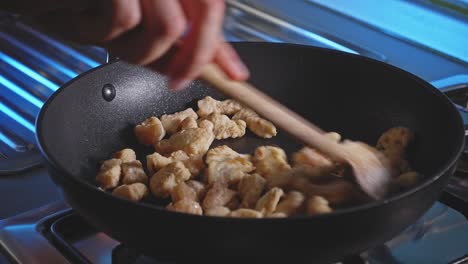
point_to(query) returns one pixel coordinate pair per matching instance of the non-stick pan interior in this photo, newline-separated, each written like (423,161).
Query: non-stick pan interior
(354,96)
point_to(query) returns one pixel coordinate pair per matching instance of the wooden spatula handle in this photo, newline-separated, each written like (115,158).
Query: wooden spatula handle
(267,107)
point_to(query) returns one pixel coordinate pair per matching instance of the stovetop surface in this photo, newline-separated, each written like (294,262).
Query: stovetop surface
(56,234)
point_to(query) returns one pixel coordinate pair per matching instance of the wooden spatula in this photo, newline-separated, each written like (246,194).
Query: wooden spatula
(372,171)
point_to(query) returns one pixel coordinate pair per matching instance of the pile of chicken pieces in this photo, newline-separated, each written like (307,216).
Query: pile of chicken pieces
(222,182)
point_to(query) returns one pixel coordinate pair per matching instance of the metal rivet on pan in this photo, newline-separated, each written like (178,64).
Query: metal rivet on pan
(108,92)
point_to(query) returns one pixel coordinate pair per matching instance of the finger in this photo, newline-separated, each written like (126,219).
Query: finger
(230,62)
(163,22)
(200,45)
(107,21)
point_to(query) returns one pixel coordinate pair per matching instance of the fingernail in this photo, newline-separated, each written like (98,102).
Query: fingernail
(243,71)
(179,84)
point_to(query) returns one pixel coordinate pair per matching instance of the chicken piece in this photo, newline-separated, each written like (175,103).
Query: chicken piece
(229,171)
(125,155)
(183,191)
(317,205)
(149,131)
(218,195)
(336,192)
(291,204)
(311,157)
(259,126)
(395,139)
(208,105)
(171,123)
(250,188)
(109,174)
(165,180)
(223,153)
(234,203)
(270,161)
(203,123)
(134,192)
(199,188)
(224,127)
(226,165)
(217,211)
(393,143)
(193,141)
(133,172)
(186,206)
(407,180)
(267,204)
(246,213)
(277,215)
(156,161)
(187,123)
(314,174)
(282,180)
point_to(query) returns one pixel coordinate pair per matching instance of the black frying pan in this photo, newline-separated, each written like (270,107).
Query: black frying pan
(355,96)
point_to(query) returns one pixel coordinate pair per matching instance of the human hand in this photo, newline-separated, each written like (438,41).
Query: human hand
(143,31)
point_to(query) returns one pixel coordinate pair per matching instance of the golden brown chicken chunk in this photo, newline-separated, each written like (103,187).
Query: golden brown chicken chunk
(223,153)
(336,192)
(199,188)
(313,164)
(218,195)
(109,174)
(209,105)
(291,204)
(250,189)
(165,180)
(217,211)
(183,191)
(269,160)
(226,165)
(317,205)
(132,172)
(186,206)
(203,123)
(171,123)
(393,143)
(407,179)
(259,126)
(193,141)
(267,204)
(134,192)
(188,122)
(156,161)
(125,155)
(224,127)
(246,213)
(149,131)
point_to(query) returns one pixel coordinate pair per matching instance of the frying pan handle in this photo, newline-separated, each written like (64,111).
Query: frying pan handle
(110,57)
(455,86)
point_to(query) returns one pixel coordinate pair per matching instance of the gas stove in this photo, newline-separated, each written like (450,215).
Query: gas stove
(56,234)
(39,227)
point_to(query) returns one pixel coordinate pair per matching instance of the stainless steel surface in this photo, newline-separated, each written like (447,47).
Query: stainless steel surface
(247,23)
(97,248)
(32,66)
(21,238)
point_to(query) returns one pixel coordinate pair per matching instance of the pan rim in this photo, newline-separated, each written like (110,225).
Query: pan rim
(369,205)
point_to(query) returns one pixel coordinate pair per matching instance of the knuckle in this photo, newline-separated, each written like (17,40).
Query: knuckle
(213,5)
(172,29)
(127,20)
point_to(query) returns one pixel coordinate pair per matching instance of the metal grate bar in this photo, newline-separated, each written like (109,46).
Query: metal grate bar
(36,60)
